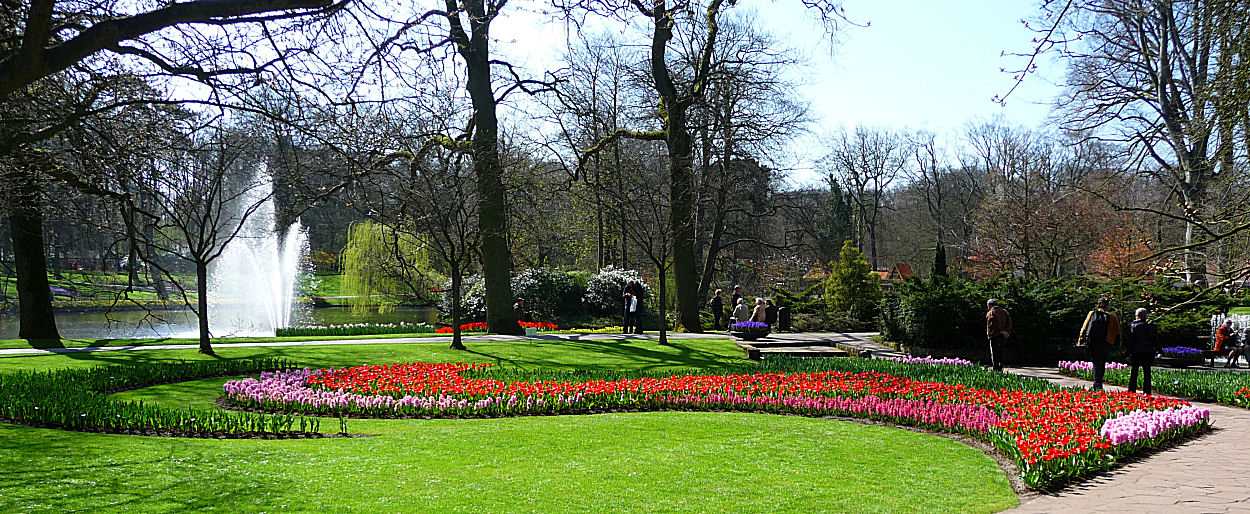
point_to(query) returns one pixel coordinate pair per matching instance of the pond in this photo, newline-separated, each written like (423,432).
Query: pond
(182,323)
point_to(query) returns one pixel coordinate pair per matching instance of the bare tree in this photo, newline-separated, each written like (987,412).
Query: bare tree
(867,160)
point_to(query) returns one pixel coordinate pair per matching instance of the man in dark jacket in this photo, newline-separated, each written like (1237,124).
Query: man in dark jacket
(717,306)
(997,330)
(770,313)
(1143,343)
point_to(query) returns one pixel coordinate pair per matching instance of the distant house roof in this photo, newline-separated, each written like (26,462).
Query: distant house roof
(900,271)
(816,273)
(884,275)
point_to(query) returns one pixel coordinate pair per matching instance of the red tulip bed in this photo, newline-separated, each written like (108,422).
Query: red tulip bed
(1053,435)
(480,326)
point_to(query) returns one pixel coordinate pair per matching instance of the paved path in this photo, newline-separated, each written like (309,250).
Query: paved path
(1207,474)
(826,344)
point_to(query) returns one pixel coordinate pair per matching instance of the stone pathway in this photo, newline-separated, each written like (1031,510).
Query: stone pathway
(829,344)
(1205,474)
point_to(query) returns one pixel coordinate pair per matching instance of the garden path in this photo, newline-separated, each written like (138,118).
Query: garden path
(1204,474)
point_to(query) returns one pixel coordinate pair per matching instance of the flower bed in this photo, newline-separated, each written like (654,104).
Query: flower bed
(749,330)
(77,399)
(1088,366)
(945,361)
(605,330)
(1052,435)
(1181,351)
(1206,385)
(357,329)
(480,326)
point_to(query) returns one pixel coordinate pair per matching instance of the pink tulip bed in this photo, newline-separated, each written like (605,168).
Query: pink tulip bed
(1052,435)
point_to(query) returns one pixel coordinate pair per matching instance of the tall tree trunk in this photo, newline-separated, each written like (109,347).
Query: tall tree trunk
(456,280)
(681,219)
(34,298)
(662,304)
(201,289)
(492,201)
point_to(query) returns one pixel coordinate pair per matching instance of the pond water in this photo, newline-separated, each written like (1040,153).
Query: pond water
(182,323)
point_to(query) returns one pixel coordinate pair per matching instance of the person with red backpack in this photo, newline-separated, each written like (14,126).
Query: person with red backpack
(1098,334)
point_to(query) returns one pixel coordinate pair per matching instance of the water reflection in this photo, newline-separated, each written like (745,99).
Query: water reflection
(182,323)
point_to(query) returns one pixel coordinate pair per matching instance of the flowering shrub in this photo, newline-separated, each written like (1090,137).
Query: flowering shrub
(1088,366)
(749,326)
(1181,351)
(953,361)
(603,289)
(1052,435)
(480,326)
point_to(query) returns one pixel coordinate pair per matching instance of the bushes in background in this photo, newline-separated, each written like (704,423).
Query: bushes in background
(950,313)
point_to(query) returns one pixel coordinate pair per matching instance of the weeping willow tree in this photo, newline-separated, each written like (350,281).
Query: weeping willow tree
(384,267)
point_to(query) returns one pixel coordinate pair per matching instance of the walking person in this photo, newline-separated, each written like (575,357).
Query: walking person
(741,311)
(518,310)
(759,315)
(733,299)
(717,305)
(1143,344)
(1098,334)
(997,329)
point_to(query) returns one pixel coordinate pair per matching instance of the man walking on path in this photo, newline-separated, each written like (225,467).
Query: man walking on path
(1099,332)
(997,330)
(1142,342)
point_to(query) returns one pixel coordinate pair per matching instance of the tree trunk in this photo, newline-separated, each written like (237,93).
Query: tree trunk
(201,289)
(492,201)
(681,221)
(456,280)
(662,304)
(34,298)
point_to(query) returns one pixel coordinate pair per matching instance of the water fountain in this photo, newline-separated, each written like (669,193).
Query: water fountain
(251,286)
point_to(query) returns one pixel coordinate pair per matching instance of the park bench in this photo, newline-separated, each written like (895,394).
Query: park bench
(1208,354)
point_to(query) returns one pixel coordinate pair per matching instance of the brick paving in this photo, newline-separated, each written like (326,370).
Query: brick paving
(1205,474)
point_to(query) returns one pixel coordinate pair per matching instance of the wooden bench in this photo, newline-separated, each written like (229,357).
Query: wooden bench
(1208,355)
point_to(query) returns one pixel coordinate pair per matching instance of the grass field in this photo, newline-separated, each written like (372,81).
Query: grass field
(669,461)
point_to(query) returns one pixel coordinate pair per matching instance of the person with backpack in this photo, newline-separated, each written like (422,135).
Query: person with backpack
(997,329)
(1098,334)
(1143,344)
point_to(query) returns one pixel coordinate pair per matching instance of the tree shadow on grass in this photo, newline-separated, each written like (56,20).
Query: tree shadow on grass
(69,471)
(45,343)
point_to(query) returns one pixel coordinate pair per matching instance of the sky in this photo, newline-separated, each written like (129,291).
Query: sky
(932,65)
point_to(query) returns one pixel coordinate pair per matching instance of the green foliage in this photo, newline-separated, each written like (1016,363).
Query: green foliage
(948,313)
(851,286)
(550,294)
(383,268)
(75,399)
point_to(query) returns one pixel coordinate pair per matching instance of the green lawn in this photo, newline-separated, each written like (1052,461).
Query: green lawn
(669,461)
